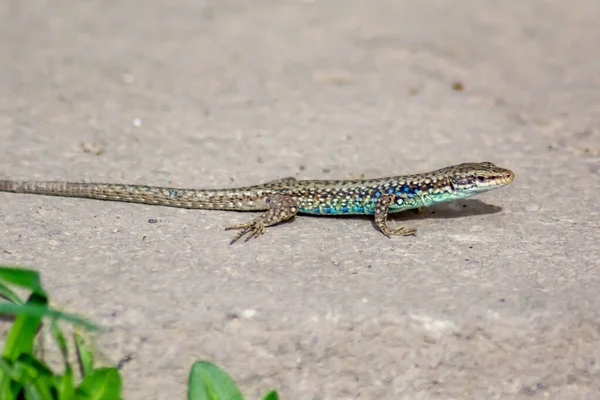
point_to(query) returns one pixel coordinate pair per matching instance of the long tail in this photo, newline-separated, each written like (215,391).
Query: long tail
(171,197)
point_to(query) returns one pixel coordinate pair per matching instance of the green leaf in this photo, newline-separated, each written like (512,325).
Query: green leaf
(35,377)
(101,384)
(7,368)
(32,393)
(31,366)
(209,382)
(41,388)
(22,277)
(9,295)
(85,355)
(65,384)
(6,392)
(21,337)
(272,395)
(66,387)
(8,387)
(39,311)
(46,385)
(60,340)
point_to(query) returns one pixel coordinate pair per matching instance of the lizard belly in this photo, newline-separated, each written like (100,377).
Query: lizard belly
(335,208)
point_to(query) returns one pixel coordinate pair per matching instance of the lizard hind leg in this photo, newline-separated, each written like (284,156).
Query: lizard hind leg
(281,208)
(381,212)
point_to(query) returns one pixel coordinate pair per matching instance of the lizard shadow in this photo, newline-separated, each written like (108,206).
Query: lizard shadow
(456,209)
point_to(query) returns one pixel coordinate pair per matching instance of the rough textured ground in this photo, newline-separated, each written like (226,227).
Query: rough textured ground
(496,298)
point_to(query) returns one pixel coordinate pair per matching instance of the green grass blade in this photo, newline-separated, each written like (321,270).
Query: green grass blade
(31,366)
(31,393)
(272,395)
(209,382)
(21,337)
(7,368)
(34,376)
(8,388)
(84,354)
(45,386)
(39,311)
(22,277)
(66,387)
(9,295)
(101,384)
(6,393)
(60,340)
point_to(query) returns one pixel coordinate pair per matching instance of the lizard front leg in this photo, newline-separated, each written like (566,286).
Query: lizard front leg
(281,208)
(381,212)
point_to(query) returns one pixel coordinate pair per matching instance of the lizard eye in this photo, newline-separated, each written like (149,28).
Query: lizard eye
(480,178)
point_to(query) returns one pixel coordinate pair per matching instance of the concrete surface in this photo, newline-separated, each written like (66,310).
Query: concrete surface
(496,298)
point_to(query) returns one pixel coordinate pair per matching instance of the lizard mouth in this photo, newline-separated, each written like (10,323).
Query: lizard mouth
(505,178)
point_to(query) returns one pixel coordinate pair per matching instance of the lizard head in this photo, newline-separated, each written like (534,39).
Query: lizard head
(471,178)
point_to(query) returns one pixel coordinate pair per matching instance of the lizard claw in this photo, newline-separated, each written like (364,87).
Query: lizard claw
(254,228)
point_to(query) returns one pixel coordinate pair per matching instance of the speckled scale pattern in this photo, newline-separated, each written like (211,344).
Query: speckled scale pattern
(351,197)
(284,198)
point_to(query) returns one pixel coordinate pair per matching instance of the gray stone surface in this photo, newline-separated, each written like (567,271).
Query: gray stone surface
(496,298)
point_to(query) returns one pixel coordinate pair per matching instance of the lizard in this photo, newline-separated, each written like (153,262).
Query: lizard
(282,199)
